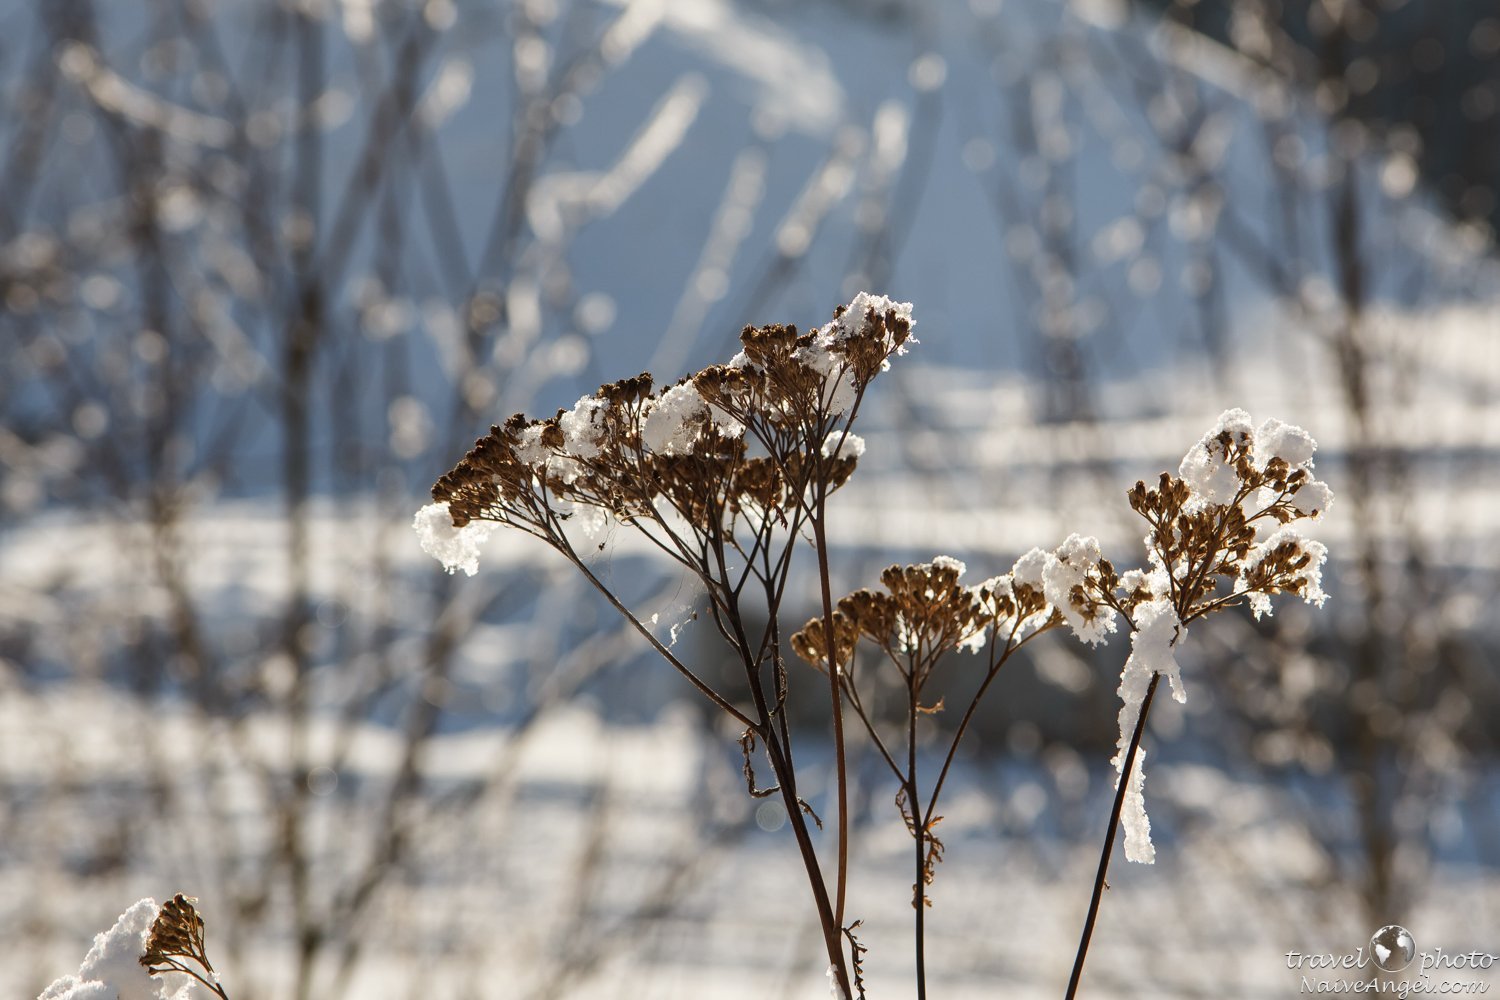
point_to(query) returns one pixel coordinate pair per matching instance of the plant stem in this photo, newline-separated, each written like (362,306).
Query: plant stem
(836,694)
(919,835)
(832,932)
(921,920)
(1109,837)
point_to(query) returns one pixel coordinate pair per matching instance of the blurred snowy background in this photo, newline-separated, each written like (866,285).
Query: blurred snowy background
(267,269)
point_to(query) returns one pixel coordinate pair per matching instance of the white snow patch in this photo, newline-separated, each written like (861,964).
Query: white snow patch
(112,969)
(1065,569)
(456,548)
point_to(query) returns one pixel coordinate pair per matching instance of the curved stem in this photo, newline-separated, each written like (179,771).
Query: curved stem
(1109,837)
(656,643)
(1010,647)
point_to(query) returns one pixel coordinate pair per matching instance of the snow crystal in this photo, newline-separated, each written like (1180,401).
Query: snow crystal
(1154,583)
(1157,628)
(1065,569)
(845,445)
(669,427)
(1203,468)
(948,562)
(1030,569)
(724,423)
(530,449)
(565,467)
(455,548)
(1314,498)
(583,426)
(974,641)
(838,383)
(1292,444)
(112,969)
(853,320)
(583,522)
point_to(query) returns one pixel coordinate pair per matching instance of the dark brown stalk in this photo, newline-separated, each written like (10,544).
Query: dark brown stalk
(820,539)
(919,837)
(1109,838)
(767,732)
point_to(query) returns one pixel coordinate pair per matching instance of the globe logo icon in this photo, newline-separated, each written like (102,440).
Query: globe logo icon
(1393,948)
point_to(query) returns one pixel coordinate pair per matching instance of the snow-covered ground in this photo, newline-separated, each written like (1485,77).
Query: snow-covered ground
(623,862)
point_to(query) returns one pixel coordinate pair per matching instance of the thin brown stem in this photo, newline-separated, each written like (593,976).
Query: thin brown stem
(656,643)
(919,836)
(1109,838)
(963,725)
(840,763)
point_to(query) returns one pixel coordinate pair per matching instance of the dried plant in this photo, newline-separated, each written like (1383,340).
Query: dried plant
(176,939)
(1207,550)
(726,470)
(723,472)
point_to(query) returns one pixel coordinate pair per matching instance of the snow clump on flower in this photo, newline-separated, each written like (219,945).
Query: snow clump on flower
(529,449)
(456,548)
(112,969)
(851,321)
(670,428)
(1157,631)
(826,354)
(843,444)
(1067,569)
(1205,468)
(1030,570)
(1291,444)
(583,426)
(1296,561)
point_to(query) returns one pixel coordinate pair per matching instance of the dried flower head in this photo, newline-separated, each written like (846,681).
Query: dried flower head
(755,439)
(176,937)
(1219,533)
(922,614)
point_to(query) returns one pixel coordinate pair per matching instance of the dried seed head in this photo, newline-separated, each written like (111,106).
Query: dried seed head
(176,933)
(1205,523)
(632,453)
(810,643)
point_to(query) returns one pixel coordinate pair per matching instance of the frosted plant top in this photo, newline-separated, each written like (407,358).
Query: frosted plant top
(747,438)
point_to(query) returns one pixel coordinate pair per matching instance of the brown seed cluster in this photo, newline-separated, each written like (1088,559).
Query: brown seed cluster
(922,614)
(1205,524)
(743,439)
(176,934)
